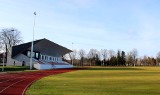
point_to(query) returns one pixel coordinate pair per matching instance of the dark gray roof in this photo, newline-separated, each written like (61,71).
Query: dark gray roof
(43,46)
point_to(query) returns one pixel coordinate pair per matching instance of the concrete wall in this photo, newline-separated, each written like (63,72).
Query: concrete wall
(43,66)
(18,60)
(21,58)
(12,62)
(63,66)
(49,66)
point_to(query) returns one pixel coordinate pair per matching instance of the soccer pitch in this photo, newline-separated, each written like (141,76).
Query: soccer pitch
(101,81)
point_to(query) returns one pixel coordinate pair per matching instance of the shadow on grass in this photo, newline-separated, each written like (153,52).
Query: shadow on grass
(115,68)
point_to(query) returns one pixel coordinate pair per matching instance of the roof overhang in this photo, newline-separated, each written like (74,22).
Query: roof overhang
(43,46)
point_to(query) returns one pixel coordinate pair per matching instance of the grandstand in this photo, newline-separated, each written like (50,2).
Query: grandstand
(46,55)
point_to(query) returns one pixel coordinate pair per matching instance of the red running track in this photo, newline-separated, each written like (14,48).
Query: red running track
(17,83)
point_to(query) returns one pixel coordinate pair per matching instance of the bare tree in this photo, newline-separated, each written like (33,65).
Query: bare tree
(132,57)
(66,57)
(1,47)
(104,54)
(158,58)
(92,55)
(111,53)
(111,56)
(129,59)
(72,56)
(82,55)
(145,57)
(9,37)
(134,54)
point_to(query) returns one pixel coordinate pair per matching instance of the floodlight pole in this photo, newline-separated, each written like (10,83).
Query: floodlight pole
(72,51)
(32,42)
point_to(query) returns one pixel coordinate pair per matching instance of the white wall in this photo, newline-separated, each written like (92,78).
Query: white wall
(49,66)
(63,66)
(10,62)
(21,58)
(43,66)
(18,60)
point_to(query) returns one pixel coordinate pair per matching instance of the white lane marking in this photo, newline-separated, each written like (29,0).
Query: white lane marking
(6,77)
(16,76)
(23,93)
(11,79)
(11,85)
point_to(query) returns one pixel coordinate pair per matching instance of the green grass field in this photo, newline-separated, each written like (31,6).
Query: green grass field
(101,81)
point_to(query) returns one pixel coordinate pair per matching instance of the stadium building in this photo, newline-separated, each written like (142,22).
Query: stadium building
(46,55)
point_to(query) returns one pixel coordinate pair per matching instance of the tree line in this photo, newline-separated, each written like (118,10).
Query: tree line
(11,36)
(106,57)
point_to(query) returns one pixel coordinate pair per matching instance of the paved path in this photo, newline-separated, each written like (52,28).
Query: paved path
(17,83)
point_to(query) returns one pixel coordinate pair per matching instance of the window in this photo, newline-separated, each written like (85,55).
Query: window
(42,57)
(33,54)
(50,58)
(46,57)
(59,59)
(28,53)
(37,55)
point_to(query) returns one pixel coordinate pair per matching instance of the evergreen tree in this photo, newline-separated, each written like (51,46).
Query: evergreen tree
(118,58)
(123,58)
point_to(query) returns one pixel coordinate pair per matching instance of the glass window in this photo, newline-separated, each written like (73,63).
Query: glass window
(42,57)
(33,54)
(37,55)
(45,57)
(50,58)
(29,54)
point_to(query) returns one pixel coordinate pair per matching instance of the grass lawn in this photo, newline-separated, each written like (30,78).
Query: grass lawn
(101,81)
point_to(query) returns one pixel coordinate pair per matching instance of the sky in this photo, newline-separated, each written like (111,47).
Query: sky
(88,24)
